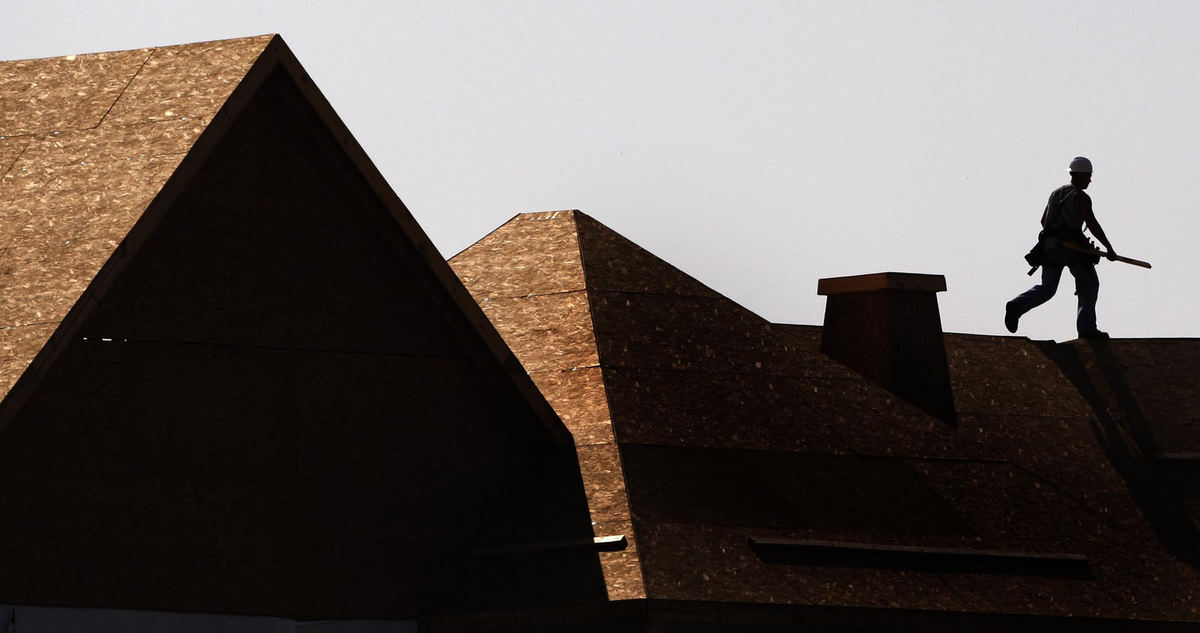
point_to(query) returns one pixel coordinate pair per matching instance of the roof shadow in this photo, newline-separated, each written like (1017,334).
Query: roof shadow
(1123,431)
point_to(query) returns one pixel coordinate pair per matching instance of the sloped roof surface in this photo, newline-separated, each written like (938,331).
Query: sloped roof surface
(86,142)
(263,390)
(730,428)
(537,299)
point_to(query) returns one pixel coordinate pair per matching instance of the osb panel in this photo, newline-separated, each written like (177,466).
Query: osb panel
(62,224)
(66,268)
(1034,595)
(1003,502)
(578,397)
(63,93)
(1133,577)
(676,332)
(1150,385)
(1008,508)
(18,346)
(604,482)
(797,351)
(10,149)
(600,466)
(653,406)
(52,152)
(876,422)
(715,562)
(702,334)
(613,263)
(190,81)
(70,184)
(1148,584)
(752,410)
(839,495)
(623,568)
(710,563)
(1007,376)
(1061,451)
(546,332)
(534,253)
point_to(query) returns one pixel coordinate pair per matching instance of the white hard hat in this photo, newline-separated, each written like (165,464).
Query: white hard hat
(1081,165)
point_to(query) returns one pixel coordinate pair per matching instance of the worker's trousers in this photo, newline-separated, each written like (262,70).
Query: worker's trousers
(1087,288)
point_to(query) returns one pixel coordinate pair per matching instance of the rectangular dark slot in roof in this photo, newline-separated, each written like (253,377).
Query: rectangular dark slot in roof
(597,544)
(926,559)
(1178,457)
(747,488)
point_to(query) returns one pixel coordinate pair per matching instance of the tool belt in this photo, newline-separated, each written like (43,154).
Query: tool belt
(1049,249)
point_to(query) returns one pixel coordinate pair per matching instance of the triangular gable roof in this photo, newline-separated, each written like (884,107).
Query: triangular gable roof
(93,144)
(757,469)
(251,384)
(87,142)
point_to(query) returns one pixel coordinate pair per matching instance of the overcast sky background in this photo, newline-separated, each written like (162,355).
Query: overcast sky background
(758,146)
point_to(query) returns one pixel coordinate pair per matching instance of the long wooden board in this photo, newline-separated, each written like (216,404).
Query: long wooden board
(1093,251)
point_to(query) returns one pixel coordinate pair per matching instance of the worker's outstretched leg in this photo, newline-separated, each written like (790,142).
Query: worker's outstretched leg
(1033,297)
(1087,287)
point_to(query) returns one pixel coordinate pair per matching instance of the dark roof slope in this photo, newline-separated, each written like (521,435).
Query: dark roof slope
(758,470)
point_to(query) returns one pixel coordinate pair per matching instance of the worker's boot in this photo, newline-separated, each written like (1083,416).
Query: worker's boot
(1011,317)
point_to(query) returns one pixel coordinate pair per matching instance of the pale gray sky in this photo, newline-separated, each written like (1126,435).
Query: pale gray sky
(758,146)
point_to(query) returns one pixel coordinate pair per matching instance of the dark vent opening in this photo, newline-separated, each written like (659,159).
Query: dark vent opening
(921,559)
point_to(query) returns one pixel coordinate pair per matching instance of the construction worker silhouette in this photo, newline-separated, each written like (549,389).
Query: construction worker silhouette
(1067,212)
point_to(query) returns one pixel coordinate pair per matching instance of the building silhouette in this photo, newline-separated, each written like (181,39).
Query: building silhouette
(239,380)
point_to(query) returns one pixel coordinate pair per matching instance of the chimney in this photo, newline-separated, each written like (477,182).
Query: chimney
(886,327)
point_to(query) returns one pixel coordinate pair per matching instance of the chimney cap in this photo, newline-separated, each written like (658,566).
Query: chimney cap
(881,281)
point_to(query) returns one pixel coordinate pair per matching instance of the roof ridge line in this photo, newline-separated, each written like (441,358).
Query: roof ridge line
(635,542)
